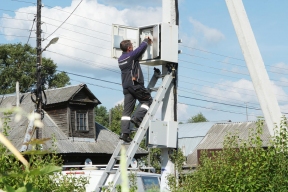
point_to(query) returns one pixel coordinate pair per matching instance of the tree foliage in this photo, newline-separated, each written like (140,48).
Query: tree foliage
(116,113)
(42,174)
(18,63)
(197,118)
(101,115)
(243,165)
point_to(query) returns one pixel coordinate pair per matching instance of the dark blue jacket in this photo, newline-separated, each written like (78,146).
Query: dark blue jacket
(131,72)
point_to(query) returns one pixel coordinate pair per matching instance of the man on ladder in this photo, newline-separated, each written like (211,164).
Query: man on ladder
(133,86)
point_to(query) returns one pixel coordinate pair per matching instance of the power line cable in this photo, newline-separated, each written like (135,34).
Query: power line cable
(84,50)
(230,57)
(16,19)
(25,2)
(226,70)
(58,21)
(90,77)
(97,85)
(85,61)
(214,109)
(31,30)
(212,52)
(78,15)
(217,97)
(65,20)
(76,32)
(65,37)
(228,104)
(15,35)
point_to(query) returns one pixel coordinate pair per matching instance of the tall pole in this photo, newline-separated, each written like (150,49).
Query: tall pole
(255,64)
(169,108)
(39,63)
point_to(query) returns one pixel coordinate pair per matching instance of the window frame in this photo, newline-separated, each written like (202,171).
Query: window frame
(86,129)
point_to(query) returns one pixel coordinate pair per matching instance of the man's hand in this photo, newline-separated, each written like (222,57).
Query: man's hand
(149,41)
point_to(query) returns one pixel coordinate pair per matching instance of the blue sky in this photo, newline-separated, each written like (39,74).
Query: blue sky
(212,70)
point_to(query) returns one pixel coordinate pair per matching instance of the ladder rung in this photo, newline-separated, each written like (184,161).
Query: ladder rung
(154,89)
(103,186)
(111,172)
(117,157)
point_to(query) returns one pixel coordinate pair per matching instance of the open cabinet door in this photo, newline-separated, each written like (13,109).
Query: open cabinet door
(120,33)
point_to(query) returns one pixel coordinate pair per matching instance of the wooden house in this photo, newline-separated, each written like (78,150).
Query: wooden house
(69,118)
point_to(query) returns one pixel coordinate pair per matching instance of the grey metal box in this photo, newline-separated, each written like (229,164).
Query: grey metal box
(165,42)
(162,134)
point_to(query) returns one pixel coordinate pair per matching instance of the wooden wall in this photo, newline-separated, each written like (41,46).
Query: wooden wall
(59,115)
(90,133)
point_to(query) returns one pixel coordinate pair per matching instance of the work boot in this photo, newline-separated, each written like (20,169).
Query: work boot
(136,122)
(125,137)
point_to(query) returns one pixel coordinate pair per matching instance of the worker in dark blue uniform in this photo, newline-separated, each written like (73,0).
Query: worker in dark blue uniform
(133,86)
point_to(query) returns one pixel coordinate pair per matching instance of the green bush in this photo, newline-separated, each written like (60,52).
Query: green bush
(42,174)
(242,165)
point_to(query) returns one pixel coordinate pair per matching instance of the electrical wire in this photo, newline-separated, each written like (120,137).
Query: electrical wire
(86,61)
(89,77)
(228,104)
(25,2)
(211,52)
(214,109)
(217,97)
(230,57)
(77,33)
(16,19)
(15,35)
(31,30)
(43,16)
(78,15)
(65,20)
(97,85)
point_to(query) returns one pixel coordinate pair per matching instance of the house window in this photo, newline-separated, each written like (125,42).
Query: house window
(81,121)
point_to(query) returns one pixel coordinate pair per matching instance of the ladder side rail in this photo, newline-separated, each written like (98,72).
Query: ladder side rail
(151,84)
(144,125)
(109,167)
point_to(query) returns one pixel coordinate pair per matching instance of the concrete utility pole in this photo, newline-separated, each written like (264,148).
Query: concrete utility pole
(255,64)
(169,109)
(39,63)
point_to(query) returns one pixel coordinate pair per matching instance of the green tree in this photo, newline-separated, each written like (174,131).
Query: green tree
(116,113)
(197,118)
(18,63)
(102,116)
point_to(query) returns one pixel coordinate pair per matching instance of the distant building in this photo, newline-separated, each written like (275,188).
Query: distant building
(213,140)
(191,134)
(69,116)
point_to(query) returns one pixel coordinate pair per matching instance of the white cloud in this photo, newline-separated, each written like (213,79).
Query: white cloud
(120,102)
(241,91)
(71,36)
(279,67)
(210,35)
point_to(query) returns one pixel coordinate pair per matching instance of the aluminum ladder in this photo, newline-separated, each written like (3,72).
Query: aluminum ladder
(134,145)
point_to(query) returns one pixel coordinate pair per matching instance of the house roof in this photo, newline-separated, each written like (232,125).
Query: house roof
(194,129)
(54,96)
(216,135)
(105,141)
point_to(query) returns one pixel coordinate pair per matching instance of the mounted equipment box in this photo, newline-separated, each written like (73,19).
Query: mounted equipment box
(163,50)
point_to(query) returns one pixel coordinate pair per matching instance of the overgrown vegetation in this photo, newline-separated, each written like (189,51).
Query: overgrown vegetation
(41,172)
(242,165)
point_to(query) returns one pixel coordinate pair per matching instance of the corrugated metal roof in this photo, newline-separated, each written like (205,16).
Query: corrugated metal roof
(194,129)
(216,135)
(187,145)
